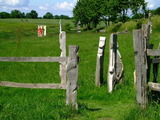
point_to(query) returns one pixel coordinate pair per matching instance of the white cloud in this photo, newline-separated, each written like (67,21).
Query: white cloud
(65,6)
(43,7)
(153,4)
(14,2)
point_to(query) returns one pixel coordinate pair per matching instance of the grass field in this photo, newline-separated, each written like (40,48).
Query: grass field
(94,103)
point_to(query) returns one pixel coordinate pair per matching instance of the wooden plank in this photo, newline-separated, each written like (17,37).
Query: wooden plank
(154,86)
(32,85)
(33,59)
(100,60)
(119,67)
(72,77)
(62,41)
(141,68)
(151,52)
(155,60)
(114,62)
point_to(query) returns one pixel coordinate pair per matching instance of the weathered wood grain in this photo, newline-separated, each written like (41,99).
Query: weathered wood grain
(33,59)
(141,67)
(155,60)
(72,77)
(154,86)
(112,61)
(100,61)
(151,52)
(115,71)
(62,41)
(32,85)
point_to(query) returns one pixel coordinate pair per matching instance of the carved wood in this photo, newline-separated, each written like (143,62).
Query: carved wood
(62,41)
(100,61)
(115,71)
(72,77)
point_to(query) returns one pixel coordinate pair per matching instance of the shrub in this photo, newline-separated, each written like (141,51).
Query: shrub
(67,27)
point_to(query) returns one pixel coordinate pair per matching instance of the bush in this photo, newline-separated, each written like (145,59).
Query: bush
(67,27)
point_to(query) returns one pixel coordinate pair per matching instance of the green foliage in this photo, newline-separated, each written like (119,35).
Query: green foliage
(139,24)
(33,14)
(156,23)
(48,15)
(61,17)
(67,27)
(114,28)
(4,15)
(130,25)
(156,11)
(88,12)
(17,14)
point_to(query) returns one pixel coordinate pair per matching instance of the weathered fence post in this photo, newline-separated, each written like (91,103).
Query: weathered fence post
(100,59)
(72,77)
(115,71)
(141,67)
(79,27)
(150,21)
(62,40)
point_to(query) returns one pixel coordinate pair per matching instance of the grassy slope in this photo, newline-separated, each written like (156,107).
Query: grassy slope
(94,103)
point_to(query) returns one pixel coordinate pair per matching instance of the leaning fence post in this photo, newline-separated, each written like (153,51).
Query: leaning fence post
(141,68)
(100,59)
(72,77)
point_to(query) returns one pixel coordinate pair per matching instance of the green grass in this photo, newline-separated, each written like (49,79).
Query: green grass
(94,103)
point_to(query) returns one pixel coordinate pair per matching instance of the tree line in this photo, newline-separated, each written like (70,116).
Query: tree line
(32,14)
(91,12)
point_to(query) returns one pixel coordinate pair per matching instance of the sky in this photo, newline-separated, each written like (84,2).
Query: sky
(56,7)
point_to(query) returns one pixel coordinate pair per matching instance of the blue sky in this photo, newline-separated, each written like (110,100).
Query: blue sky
(56,7)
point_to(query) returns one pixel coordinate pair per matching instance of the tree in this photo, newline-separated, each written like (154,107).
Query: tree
(4,15)
(48,15)
(88,12)
(138,7)
(63,17)
(157,11)
(56,17)
(33,14)
(16,14)
(123,6)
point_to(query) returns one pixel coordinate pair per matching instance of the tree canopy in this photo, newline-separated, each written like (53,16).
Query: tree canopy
(90,12)
(48,15)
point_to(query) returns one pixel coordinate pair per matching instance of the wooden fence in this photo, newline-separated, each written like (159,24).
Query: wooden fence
(143,52)
(71,74)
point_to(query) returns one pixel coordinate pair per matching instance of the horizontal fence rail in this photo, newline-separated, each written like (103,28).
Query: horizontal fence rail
(155,60)
(33,59)
(151,52)
(70,68)
(154,86)
(32,85)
